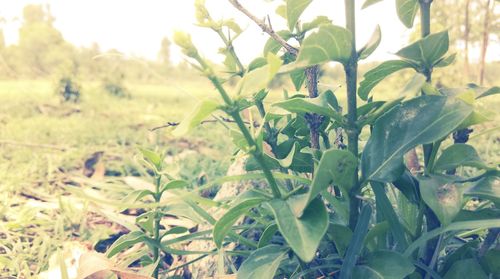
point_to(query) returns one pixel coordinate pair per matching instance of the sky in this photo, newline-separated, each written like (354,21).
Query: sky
(136,27)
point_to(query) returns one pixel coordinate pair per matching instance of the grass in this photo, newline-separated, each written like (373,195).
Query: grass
(44,144)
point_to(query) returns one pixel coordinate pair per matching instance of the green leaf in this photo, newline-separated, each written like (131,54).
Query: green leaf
(491,91)
(480,214)
(124,242)
(469,267)
(176,230)
(319,105)
(356,245)
(414,86)
(298,77)
(281,11)
(294,8)
(407,9)
(389,264)
(329,43)
(153,157)
(369,3)
(486,188)
(267,235)
(408,185)
(377,74)
(376,236)
(146,221)
(371,45)
(446,61)
(341,236)
(385,208)
(419,121)
(442,195)
(262,263)
(491,260)
(365,272)
(174,184)
(455,226)
(456,155)
(337,167)
(302,234)
(273,46)
(428,50)
(225,223)
(258,79)
(200,112)
(318,21)
(257,63)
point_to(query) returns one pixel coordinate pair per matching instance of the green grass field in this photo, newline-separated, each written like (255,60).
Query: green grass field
(44,144)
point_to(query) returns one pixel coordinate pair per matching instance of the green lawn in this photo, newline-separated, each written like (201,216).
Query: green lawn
(44,144)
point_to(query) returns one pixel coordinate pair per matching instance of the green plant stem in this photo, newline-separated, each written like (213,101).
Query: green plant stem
(314,120)
(425,17)
(230,49)
(156,236)
(351,72)
(272,139)
(425,29)
(432,157)
(430,218)
(235,114)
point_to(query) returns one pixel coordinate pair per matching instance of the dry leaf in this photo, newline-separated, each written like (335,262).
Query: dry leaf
(95,265)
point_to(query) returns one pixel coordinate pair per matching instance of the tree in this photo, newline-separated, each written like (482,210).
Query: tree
(164,53)
(42,47)
(485,37)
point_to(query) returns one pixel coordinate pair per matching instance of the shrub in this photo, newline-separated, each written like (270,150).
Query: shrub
(331,208)
(68,90)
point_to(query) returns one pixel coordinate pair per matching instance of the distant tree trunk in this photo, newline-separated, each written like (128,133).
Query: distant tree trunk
(466,39)
(484,44)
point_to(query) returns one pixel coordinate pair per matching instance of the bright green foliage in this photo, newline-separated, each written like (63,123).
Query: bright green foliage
(263,263)
(469,266)
(200,112)
(442,195)
(456,155)
(376,75)
(294,8)
(329,43)
(258,79)
(407,10)
(305,233)
(223,226)
(388,264)
(426,51)
(363,212)
(422,120)
(336,167)
(125,241)
(371,45)
(486,188)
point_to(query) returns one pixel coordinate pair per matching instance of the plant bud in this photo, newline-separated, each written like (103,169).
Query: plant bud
(184,41)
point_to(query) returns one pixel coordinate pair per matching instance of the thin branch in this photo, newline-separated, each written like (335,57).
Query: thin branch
(225,119)
(266,28)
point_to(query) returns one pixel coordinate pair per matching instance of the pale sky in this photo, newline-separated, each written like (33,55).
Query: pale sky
(136,27)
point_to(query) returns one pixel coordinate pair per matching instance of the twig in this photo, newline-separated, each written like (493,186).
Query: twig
(225,119)
(28,144)
(266,28)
